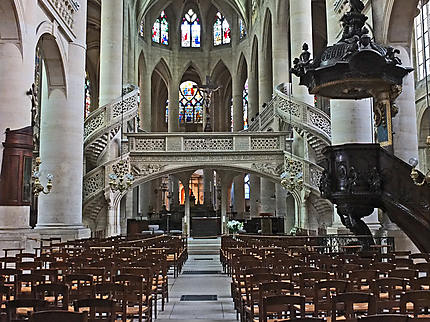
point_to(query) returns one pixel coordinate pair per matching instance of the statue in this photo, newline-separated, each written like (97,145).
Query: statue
(35,116)
(356,6)
(303,62)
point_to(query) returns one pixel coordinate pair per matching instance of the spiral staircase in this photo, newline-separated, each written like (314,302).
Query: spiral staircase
(104,124)
(100,128)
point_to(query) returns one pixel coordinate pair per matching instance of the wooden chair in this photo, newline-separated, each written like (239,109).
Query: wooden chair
(20,309)
(138,296)
(324,292)
(283,307)
(346,306)
(57,295)
(384,318)
(60,316)
(420,301)
(273,288)
(113,291)
(383,268)
(99,309)
(387,292)
(362,279)
(405,273)
(307,282)
(421,283)
(25,284)
(250,306)
(80,286)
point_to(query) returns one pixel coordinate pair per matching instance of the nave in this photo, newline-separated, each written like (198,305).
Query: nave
(229,278)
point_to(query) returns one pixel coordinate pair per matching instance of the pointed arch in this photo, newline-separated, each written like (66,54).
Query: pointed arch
(242,68)
(54,63)
(163,70)
(267,33)
(192,72)
(11,22)
(254,56)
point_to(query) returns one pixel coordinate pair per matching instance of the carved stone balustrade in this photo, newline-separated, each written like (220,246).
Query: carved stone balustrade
(63,11)
(105,122)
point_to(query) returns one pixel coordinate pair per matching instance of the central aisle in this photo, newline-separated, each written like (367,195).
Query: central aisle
(201,275)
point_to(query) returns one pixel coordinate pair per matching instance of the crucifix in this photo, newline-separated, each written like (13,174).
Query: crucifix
(207,91)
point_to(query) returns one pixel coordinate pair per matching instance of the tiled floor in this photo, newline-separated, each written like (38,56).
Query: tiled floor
(200,284)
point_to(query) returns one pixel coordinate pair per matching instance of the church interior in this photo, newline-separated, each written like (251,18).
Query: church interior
(214,160)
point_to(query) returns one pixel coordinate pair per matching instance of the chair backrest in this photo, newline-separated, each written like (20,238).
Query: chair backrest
(283,306)
(59,292)
(32,305)
(80,285)
(60,316)
(421,283)
(325,291)
(385,318)
(25,284)
(348,300)
(404,273)
(99,309)
(419,299)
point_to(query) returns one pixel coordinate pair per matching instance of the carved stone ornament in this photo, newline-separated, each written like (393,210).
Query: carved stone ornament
(143,170)
(269,168)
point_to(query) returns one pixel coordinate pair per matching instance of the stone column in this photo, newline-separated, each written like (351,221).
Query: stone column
(239,195)
(301,32)
(252,92)
(254,198)
(267,195)
(16,77)
(61,148)
(186,227)
(281,201)
(173,121)
(145,111)
(111,50)
(405,123)
(175,191)
(226,181)
(144,194)
(208,178)
(281,50)
(237,103)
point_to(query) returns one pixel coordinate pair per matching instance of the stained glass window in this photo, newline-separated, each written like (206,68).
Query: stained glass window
(222,32)
(190,103)
(245,105)
(242,29)
(422,37)
(142,28)
(190,30)
(167,111)
(87,95)
(160,30)
(247,187)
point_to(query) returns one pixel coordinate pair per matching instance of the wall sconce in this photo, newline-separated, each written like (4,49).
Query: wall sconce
(35,178)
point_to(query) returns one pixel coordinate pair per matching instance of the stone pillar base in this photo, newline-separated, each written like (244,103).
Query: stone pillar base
(338,230)
(14,217)
(27,239)
(65,233)
(401,241)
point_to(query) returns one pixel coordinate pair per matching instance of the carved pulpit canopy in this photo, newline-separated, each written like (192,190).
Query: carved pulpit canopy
(354,66)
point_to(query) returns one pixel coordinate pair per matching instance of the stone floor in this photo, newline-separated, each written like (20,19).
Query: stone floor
(215,283)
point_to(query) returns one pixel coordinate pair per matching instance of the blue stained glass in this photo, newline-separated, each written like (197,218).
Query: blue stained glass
(160,30)
(190,30)
(190,103)
(222,32)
